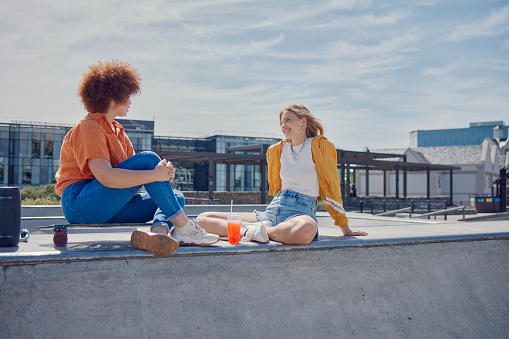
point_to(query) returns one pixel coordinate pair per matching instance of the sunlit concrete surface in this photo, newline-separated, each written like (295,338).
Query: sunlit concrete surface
(406,279)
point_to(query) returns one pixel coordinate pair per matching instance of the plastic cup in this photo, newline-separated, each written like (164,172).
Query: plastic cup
(234,222)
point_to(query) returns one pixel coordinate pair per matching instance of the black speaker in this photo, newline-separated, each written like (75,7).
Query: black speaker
(10,216)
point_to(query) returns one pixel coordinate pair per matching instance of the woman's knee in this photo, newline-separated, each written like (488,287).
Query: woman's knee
(205,216)
(304,233)
(151,158)
(141,161)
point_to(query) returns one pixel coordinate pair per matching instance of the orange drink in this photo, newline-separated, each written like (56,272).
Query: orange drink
(234,222)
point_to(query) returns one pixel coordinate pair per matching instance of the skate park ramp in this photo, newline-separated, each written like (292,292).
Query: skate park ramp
(406,279)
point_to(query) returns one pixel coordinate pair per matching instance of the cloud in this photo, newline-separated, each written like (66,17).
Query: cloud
(348,4)
(396,45)
(428,3)
(441,71)
(213,51)
(362,21)
(299,16)
(369,66)
(496,24)
(344,50)
(495,64)
(450,93)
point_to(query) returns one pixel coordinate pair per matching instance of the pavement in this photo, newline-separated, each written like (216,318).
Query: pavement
(113,243)
(415,278)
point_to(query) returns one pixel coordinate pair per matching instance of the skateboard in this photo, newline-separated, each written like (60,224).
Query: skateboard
(60,231)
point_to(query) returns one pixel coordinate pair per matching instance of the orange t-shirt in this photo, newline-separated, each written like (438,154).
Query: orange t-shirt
(91,138)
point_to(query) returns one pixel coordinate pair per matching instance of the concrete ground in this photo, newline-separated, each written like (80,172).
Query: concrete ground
(407,278)
(111,243)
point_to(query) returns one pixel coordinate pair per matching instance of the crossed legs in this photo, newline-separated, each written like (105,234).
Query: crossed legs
(299,230)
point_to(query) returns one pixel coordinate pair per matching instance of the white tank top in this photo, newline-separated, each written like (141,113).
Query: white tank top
(298,170)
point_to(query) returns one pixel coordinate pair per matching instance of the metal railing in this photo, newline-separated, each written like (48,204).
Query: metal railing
(375,206)
(444,212)
(401,210)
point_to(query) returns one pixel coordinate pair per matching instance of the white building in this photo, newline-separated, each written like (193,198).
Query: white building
(480,167)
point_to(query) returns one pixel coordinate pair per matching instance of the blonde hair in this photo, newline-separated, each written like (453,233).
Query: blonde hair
(313,126)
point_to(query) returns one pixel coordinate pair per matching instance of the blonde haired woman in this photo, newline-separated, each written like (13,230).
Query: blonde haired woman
(302,170)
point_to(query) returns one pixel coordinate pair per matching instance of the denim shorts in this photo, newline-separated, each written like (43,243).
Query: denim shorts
(286,205)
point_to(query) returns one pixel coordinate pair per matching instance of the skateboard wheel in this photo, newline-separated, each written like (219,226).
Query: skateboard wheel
(24,235)
(60,238)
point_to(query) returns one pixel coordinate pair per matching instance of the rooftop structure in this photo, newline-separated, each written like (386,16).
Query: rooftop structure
(473,135)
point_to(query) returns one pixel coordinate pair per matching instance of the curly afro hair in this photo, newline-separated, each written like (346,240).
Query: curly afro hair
(105,81)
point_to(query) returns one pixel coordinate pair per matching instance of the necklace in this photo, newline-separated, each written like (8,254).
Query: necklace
(299,148)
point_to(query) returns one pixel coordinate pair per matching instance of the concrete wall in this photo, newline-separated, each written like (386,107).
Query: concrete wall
(434,290)
(224,198)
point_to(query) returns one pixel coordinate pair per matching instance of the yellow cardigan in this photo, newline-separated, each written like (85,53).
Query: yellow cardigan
(326,158)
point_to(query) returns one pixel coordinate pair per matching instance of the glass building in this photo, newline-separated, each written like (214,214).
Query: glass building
(30,151)
(193,176)
(474,135)
(189,176)
(242,177)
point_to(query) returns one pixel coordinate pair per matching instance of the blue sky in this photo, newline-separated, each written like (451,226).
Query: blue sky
(371,71)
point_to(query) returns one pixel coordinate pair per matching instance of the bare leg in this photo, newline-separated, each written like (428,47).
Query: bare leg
(298,230)
(215,222)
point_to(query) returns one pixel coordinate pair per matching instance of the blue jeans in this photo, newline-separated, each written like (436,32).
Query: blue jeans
(90,202)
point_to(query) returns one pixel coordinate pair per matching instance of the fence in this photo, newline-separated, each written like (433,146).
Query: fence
(377,206)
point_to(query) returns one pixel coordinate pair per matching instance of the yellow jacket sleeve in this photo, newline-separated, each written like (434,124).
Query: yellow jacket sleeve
(273,168)
(326,160)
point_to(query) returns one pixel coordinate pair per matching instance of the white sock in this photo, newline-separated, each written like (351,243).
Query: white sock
(186,228)
(247,224)
(259,223)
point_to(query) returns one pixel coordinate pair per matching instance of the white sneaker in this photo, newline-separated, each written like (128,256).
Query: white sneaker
(193,234)
(264,223)
(257,232)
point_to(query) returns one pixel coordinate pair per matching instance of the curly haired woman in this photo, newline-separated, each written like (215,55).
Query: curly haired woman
(302,169)
(100,175)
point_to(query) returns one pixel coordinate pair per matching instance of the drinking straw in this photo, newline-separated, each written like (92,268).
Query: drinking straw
(231,207)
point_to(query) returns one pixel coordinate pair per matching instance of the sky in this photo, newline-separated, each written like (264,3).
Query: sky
(371,71)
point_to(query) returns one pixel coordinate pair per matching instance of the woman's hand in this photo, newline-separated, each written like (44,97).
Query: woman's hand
(165,171)
(347,231)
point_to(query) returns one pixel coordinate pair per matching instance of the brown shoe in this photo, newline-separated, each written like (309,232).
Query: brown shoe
(159,244)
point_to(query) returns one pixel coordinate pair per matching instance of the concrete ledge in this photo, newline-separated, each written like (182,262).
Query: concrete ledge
(428,290)
(490,216)
(425,279)
(110,250)
(41,210)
